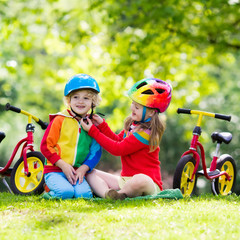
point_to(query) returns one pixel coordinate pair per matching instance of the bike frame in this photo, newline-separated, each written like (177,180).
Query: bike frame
(27,141)
(28,145)
(195,144)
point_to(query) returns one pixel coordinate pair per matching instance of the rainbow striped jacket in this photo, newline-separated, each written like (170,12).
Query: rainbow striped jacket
(65,139)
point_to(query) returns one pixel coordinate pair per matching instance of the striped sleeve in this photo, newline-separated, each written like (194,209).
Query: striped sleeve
(142,137)
(94,155)
(50,138)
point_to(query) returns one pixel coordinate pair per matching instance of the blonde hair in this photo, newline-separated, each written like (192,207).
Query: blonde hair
(155,125)
(96,99)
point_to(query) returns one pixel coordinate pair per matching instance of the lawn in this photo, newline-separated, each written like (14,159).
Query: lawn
(203,217)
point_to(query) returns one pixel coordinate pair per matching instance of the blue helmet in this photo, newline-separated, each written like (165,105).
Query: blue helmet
(81,81)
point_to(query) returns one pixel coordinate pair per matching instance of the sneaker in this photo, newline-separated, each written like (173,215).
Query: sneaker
(47,196)
(114,195)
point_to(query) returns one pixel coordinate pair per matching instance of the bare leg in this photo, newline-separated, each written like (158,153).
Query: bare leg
(101,182)
(138,185)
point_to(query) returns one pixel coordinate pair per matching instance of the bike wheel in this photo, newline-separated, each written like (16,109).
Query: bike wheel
(221,185)
(32,184)
(183,174)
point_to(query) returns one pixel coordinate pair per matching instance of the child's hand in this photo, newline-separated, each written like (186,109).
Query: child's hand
(97,120)
(68,170)
(86,126)
(80,173)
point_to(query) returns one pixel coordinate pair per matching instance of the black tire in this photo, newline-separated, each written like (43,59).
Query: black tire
(221,185)
(32,184)
(183,174)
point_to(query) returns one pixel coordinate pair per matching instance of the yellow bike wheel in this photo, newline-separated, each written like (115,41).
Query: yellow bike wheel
(32,184)
(183,174)
(222,185)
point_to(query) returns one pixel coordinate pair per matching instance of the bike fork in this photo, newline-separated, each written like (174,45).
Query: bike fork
(215,158)
(6,184)
(213,187)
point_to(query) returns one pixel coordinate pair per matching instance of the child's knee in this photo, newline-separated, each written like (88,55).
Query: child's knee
(59,186)
(83,190)
(140,181)
(90,175)
(65,193)
(84,194)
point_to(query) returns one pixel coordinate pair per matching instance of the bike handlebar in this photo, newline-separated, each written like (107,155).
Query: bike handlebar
(183,110)
(12,108)
(215,115)
(223,117)
(18,110)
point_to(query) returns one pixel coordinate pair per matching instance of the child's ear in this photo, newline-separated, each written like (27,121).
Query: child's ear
(68,101)
(151,112)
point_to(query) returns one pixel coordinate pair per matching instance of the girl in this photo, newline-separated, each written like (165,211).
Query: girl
(137,144)
(70,152)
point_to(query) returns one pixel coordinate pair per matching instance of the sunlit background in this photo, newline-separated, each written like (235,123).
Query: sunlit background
(194,45)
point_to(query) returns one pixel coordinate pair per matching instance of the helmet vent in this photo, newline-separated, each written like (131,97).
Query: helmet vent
(160,81)
(148,92)
(159,90)
(141,85)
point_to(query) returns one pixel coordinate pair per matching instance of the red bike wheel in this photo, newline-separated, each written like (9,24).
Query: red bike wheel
(183,174)
(32,184)
(221,185)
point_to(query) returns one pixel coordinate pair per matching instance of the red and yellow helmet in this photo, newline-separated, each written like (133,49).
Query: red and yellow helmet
(152,93)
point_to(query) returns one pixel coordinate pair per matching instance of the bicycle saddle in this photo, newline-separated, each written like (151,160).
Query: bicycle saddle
(2,136)
(225,137)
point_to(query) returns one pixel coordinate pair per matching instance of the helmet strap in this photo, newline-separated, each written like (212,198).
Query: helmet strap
(144,115)
(91,114)
(148,119)
(76,114)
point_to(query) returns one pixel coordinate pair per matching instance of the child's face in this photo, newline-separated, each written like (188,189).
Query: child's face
(81,102)
(137,110)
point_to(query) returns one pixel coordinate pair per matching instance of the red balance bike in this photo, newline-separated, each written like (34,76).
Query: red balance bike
(26,176)
(222,171)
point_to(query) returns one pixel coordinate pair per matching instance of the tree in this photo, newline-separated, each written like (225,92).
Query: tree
(194,45)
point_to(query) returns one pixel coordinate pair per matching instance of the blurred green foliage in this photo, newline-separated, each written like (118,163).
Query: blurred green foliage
(194,45)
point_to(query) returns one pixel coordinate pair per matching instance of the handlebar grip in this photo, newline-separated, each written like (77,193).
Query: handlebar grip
(43,125)
(12,108)
(223,117)
(184,110)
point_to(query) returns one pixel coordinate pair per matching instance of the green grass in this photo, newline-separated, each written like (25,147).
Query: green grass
(204,217)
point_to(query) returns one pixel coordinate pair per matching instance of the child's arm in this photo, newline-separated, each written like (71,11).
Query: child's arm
(91,161)
(48,146)
(50,139)
(81,172)
(127,146)
(94,155)
(68,170)
(105,129)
